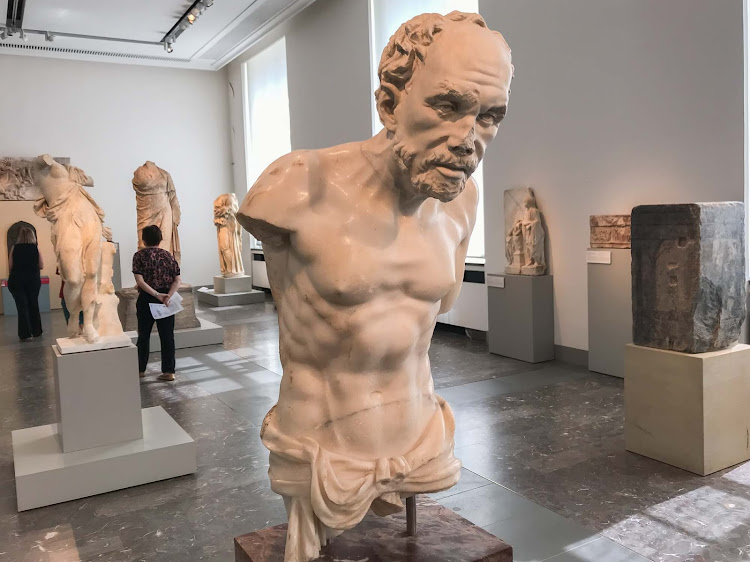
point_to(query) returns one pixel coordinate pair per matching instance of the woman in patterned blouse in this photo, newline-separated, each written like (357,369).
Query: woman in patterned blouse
(157,274)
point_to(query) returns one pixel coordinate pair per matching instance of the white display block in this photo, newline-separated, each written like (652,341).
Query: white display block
(80,345)
(208,334)
(45,475)
(226,285)
(688,410)
(98,397)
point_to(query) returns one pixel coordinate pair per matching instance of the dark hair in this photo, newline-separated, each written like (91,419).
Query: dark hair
(151,235)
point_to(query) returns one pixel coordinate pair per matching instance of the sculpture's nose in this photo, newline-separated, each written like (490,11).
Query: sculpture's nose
(462,143)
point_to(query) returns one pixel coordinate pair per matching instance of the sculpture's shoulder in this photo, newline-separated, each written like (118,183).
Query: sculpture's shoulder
(280,195)
(463,209)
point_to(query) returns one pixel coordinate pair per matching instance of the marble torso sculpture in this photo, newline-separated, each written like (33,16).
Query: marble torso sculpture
(365,245)
(156,203)
(524,241)
(229,235)
(77,225)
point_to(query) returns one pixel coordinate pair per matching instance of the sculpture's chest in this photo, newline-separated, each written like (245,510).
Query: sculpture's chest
(351,259)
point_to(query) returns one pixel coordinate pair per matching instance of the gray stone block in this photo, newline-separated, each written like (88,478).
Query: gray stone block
(688,272)
(183,320)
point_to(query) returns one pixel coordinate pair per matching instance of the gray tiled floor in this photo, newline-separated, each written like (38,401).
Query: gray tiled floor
(544,461)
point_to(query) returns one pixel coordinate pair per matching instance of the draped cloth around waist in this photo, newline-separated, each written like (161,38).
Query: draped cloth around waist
(341,489)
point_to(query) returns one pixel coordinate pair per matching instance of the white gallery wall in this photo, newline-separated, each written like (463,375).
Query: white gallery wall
(111,118)
(328,73)
(614,104)
(328,76)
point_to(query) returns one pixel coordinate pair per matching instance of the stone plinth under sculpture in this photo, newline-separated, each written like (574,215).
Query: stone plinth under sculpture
(442,535)
(524,233)
(688,268)
(610,231)
(184,319)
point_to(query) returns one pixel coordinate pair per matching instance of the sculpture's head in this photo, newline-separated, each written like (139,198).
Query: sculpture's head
(529,202)
(444,88)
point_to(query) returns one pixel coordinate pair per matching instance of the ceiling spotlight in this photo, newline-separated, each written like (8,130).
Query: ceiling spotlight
(191,18)
(24,37)
(168,47)
(49,37)
(208,3)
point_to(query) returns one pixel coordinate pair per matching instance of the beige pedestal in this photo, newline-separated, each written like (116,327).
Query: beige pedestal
(688,410)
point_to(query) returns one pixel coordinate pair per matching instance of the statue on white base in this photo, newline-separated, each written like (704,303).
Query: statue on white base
(228,235)
(524,241)
(77,225)
(365,244)
(156,203)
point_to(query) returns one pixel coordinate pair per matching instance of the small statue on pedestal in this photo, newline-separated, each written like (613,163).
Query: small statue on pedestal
(228,235)
(524,241)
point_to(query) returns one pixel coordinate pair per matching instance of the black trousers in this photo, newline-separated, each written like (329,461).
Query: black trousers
(166,333)
(25,291)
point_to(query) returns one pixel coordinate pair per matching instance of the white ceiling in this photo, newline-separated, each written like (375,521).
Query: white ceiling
(221,33)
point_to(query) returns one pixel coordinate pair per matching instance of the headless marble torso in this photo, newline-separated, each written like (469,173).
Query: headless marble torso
(358,284)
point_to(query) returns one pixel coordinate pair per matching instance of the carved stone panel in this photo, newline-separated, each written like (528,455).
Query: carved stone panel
(688,268)
(610,231)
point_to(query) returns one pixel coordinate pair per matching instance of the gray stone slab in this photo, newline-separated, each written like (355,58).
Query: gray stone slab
(610,313)
(212,298)
(521,318)
(185,318)
(688,275)
(207,333)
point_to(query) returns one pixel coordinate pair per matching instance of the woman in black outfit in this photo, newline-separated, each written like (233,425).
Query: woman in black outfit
(24,283)
(157,274)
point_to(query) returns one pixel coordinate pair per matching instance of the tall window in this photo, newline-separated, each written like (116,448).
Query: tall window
(266,110)
(385,18)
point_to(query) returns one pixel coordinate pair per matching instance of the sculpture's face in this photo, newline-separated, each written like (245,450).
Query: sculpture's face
(451,109)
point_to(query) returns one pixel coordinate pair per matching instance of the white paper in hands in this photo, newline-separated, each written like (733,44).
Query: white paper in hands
(161,311)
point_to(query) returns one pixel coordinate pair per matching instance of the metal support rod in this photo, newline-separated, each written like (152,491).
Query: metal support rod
(411,516)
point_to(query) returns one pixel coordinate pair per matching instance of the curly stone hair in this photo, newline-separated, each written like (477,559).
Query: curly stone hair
(407,48)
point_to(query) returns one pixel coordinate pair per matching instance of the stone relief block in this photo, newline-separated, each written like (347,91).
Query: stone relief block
(610,231)
(17,181)
(524,233)
(688,268)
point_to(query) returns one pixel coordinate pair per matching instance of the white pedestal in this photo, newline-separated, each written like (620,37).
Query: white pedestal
(79,344)
(239,284)
(521,318)
(688,410)
(45,475)
(610,311)
(98,397)
(208,334)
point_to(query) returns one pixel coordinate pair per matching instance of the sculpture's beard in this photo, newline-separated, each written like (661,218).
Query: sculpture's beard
(423,173)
